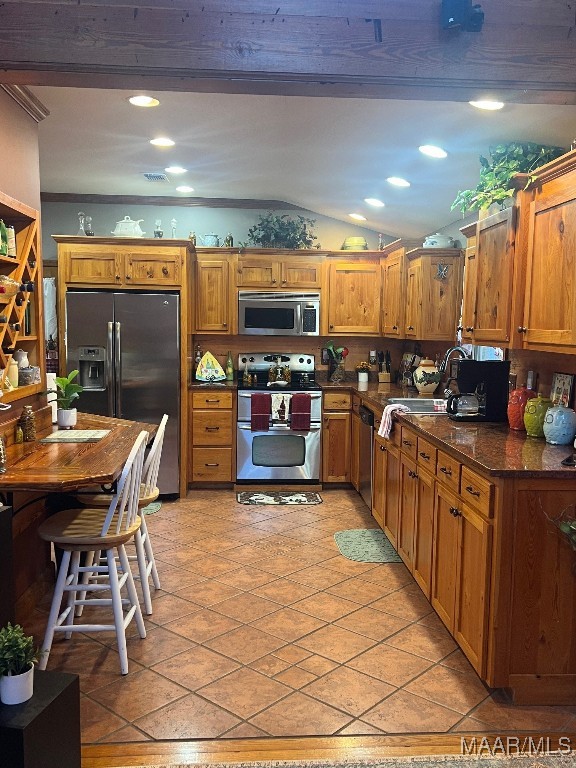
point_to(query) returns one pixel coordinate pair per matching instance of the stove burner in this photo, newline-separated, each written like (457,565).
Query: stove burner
(254,371)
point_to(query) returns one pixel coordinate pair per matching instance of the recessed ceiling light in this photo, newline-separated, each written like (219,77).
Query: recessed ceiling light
(162,141)
(175,169)
(143,101)
(397,181)
(357,216)
(432,151)
(487,104)
(184,189)
(374,202)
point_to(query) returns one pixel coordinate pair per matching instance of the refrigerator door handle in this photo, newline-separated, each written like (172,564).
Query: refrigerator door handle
(118,368)
(110,368)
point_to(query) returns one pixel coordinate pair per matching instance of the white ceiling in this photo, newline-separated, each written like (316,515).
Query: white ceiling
(323,154)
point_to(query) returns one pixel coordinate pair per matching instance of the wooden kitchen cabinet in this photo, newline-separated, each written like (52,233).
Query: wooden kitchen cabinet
(547,236)
(462,550)
(406,509)
(336,434)
(355,424)
(423,530)
(487,313)
(213,307)
(354,297)
(105,263)
(469,288)
(433,293)
(212,436)
(394,269)
(273,270)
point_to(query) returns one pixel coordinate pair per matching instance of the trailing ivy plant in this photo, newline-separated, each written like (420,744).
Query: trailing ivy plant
(496,173)
(283,231)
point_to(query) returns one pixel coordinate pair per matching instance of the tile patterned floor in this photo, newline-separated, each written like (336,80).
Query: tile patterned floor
(263,629)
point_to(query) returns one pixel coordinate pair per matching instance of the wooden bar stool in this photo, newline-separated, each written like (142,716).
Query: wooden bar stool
(149,492)
(97,530)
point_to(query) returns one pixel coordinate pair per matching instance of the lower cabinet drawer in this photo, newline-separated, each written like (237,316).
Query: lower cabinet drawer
(477,491)
(448,471)
(211,428)
(212,464)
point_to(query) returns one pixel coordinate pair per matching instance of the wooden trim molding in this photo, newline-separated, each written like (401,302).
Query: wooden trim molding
(26,99)
(181,202)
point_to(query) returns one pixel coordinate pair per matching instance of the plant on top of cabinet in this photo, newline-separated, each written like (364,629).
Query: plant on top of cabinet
(496,173)
(282,231)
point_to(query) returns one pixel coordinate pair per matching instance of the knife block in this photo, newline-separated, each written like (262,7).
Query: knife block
(383,378)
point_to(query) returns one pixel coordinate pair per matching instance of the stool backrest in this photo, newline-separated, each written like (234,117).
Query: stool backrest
(152,464)
(123,508)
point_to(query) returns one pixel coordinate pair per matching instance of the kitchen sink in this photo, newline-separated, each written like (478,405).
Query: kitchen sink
(426,405)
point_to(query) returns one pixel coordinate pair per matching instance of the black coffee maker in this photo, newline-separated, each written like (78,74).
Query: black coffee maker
(484,380)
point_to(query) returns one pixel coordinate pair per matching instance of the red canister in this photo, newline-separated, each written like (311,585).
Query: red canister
(516,405)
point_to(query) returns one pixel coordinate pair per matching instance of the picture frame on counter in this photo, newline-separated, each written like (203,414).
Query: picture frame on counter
(562,388)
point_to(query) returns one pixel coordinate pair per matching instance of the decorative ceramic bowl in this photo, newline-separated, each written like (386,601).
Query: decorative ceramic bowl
(128,228)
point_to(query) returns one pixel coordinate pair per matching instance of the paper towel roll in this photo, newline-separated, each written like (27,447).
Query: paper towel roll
(51,397)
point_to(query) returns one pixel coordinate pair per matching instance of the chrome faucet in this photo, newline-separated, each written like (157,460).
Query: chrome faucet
(461,351)
(442,367)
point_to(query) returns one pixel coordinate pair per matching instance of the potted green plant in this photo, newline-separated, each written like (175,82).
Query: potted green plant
(17,658)
(363,369)
(497,172)
(283,231)
(66,394)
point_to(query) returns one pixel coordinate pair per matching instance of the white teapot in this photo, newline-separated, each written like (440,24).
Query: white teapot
(438,241)
(128,228)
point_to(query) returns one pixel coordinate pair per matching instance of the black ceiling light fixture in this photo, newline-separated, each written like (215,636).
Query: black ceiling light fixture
(461,14)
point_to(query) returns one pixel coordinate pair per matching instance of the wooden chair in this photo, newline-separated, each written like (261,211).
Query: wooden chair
(97,530)
(149,492)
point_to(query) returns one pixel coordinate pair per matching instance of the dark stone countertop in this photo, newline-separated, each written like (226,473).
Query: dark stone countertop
(491,448)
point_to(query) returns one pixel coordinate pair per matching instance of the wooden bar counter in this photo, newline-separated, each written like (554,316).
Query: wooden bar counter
(33,471)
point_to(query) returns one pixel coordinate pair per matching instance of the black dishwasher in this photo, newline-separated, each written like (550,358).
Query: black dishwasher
(365,458)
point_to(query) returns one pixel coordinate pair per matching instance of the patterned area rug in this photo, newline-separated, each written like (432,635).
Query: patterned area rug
(366,546)
(278,497)
(152,508)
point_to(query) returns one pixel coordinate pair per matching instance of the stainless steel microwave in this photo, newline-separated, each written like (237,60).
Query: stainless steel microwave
(267,313)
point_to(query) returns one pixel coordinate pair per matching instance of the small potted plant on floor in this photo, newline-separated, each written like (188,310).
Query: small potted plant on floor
(66,394)
(17,658)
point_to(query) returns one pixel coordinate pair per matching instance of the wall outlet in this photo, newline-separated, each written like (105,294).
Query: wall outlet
(325,356)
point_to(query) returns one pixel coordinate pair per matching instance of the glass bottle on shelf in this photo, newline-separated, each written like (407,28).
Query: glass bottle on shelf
(81,223)
(11,236)
(88,226)
(229,367)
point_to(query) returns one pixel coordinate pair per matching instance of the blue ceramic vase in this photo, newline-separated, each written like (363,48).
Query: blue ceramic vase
(559,425)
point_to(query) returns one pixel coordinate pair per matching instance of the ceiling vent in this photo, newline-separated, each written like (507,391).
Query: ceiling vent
(156,177)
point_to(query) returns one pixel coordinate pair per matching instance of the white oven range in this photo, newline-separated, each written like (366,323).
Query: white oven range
(277,453)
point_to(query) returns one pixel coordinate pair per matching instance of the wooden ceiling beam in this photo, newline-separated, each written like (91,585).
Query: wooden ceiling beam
(365,48)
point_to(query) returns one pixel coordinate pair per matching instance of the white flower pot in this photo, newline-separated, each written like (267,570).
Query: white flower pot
(66,417)
(16,689)
(362,377)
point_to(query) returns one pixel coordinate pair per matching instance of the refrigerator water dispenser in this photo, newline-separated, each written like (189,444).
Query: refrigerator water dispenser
(92,367)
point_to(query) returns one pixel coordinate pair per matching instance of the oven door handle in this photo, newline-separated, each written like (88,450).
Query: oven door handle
(278,428)
(316,396)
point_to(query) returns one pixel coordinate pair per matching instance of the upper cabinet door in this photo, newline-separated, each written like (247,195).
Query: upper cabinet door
(354,298)
(300,274)
(212,296)
(258,272)
(93,266)
(393,300)
(153,266)
(550,297)
(495,246)
(469,295)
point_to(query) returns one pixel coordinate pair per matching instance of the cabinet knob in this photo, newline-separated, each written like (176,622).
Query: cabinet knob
(522,329)
(117,277)
(284,282)
(407,442)
(382,448)
(331,327)
(127,277)
(273,282)
(459,327)
(471,491)
(446,471)
(165,271)
(425,456)
(394,327)
(469,329)
(212,429)
(410,327)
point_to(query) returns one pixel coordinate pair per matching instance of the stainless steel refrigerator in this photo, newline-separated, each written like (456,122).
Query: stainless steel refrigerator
(127,348)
